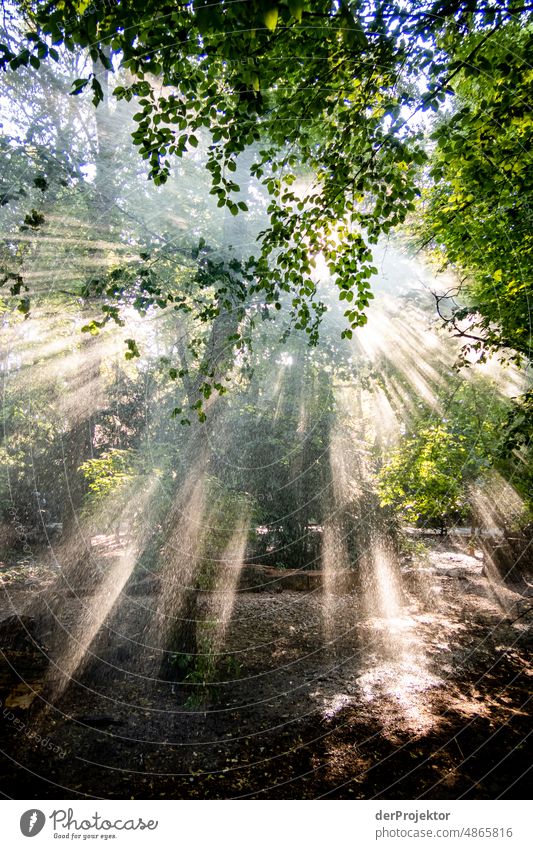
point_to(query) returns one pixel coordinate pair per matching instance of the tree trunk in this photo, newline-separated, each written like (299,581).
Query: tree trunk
(182,639)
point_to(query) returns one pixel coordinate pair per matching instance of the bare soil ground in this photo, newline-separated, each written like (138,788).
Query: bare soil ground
(429,703)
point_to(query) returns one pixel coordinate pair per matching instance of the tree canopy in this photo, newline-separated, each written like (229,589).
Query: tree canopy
(340,88)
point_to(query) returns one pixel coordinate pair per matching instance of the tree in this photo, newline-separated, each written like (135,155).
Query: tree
(345,106)
(425,475)
(428,474)
(475,212)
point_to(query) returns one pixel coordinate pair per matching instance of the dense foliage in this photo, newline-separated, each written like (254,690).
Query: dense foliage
(346,105)
(476,211)
(429,473)
(275,139)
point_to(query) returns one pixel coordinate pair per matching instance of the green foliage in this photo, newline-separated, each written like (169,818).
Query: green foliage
(108,473)
(413,549)
(427,474)
(423,478)
(216,74)
(29,452)
(207,671)
(518,433)
(475,211)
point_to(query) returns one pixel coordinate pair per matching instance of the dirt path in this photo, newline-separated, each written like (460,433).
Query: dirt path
(431,700)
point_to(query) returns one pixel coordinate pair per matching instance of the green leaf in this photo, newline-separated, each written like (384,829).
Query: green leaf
(270,18)
(296,8)
(133,350)
(24,306)
(98,94)
(78,86)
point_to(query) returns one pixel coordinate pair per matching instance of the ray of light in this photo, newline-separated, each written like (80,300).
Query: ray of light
(180,558)
(106,590)
(335,570)
(229,568)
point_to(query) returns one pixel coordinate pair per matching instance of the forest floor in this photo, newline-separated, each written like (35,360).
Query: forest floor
(431,702)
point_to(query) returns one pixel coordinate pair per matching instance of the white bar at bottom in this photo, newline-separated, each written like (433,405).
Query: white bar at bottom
(274,824)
